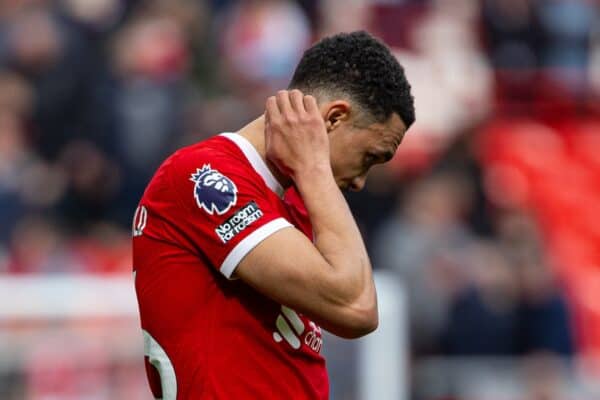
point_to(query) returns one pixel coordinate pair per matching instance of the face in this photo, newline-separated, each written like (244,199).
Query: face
(355,148)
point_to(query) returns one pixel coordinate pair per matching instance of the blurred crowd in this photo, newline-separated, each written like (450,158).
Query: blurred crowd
(487,213)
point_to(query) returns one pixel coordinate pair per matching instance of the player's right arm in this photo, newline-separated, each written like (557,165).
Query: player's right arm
(331,280)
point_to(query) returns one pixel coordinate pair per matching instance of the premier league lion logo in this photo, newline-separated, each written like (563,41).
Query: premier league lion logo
(214,192)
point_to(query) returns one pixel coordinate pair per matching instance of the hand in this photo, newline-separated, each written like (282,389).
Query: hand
(295,134)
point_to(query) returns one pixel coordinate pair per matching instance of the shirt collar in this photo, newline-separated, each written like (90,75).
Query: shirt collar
(257,162)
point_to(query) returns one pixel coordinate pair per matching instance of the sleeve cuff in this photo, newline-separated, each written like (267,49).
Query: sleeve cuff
(248,243)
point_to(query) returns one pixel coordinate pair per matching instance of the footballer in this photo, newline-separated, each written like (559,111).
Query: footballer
(244,246)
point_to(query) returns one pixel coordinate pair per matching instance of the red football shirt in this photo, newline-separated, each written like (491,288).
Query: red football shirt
(206,335)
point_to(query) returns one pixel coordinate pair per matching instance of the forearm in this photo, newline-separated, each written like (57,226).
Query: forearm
(337,236)
(335,285)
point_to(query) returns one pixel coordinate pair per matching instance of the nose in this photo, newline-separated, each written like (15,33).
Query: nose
(358,183)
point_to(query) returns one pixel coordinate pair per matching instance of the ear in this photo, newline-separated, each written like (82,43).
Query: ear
(335,113)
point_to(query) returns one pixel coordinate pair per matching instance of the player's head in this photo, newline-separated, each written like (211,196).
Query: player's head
(364,97)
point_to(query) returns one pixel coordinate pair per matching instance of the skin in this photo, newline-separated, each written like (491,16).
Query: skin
(354,150)
(320,148)
(354,147)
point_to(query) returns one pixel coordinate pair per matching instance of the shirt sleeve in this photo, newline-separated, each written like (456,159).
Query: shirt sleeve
(225,207)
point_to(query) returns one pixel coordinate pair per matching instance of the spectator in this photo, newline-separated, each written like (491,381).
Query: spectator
(423,243)
(545,321)
(483,317)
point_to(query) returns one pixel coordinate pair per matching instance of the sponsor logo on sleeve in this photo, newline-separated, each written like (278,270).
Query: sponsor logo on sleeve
(213,191)
(291,328)
(239,221)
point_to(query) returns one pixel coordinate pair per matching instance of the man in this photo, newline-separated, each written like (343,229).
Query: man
(234,275)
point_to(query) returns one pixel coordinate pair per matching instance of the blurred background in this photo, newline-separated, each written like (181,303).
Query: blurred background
(487,221)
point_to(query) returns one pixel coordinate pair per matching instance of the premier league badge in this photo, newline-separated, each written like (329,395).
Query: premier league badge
(214,192)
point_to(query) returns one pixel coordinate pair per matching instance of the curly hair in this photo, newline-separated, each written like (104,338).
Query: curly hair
(361,67)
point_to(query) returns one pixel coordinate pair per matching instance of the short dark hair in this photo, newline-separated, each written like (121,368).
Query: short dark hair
(361,67)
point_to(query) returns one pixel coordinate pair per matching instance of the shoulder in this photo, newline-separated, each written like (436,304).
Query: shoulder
(214,159)
(214,173)
(217,150)
(216,163)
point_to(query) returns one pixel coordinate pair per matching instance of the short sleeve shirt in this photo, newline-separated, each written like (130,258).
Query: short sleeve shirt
(206,334)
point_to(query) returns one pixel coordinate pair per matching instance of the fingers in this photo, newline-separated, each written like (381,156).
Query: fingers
(284,103)
(297,101)
(272,109)
(310,104)
(295,133)
(287,105)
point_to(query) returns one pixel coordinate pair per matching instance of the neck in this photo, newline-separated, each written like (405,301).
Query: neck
(254,132)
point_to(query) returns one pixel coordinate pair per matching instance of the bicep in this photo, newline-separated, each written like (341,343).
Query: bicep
(289,269)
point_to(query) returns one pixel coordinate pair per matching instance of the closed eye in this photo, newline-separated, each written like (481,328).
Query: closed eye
(387,156)
(370,159)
